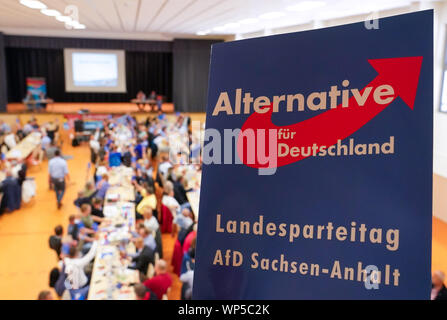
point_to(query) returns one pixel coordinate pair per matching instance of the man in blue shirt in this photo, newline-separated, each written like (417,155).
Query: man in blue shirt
(102,186)
(58,171)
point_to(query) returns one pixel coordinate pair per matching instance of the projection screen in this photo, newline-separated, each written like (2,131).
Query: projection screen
(89,70)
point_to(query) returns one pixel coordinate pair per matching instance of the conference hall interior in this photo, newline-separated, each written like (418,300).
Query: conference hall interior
(102,117)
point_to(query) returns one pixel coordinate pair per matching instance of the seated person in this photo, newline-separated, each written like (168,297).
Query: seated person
(141,99)
(179,191)
(147,236)
(102,186)
(100,170)
(150,222)
(185,219)
(4,127)
(75,264)
(148,197)
(187,278)
(73,227)
(55,240)
(143,293)
(86,195)
(45,142)
(97,209)
(143,257)
(87,218)
(129,157)
(88,224)
(114,158)
(162,280)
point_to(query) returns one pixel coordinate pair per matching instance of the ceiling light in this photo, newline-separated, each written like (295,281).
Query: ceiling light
(75,24)
(272,15)
(50,12)
(63,19)
(232,25)
(220,28)
(33,4)
(306,5)
(202,33)
(80,26)
(249,21)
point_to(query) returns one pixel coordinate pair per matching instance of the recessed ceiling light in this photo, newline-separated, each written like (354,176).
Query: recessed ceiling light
(33,4)
(50,12)
(249,21)
(80,26)
(202,33)
(220,28)
(272,15)
(232,25)
(75,24)
(63,18)
(306,5)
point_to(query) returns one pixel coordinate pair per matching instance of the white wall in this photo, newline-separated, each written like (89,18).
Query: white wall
(440,119)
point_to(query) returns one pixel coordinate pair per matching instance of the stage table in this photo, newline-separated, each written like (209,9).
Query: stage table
(34,103)
(151,102)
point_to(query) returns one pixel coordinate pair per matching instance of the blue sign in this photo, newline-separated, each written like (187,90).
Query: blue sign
(317,175)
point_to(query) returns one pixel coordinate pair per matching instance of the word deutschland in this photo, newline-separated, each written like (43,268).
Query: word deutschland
(315,101)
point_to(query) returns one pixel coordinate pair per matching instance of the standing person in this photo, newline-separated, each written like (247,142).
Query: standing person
(58,171)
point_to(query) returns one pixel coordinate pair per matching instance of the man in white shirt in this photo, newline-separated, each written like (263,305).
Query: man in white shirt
(74,266)
(150,222)
(164,166)
(94,146)
(168,198)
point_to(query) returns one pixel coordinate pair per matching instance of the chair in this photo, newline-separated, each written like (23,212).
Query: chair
(177,257)
(166,220)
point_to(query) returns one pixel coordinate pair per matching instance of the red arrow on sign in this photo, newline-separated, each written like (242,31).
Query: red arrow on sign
(325,129)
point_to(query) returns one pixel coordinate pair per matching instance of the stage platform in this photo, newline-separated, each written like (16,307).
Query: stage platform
(74,107)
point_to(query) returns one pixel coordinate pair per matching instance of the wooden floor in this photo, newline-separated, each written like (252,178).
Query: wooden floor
(25,258)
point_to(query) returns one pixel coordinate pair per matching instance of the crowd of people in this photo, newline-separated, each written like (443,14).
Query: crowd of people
(15,188)
(161,179)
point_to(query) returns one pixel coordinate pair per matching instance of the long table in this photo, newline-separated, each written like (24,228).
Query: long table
(25,147)
(111,278)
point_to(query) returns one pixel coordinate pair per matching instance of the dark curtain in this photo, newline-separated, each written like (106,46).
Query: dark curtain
(191,68)
(3,83)
(144,71)
(86,43)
